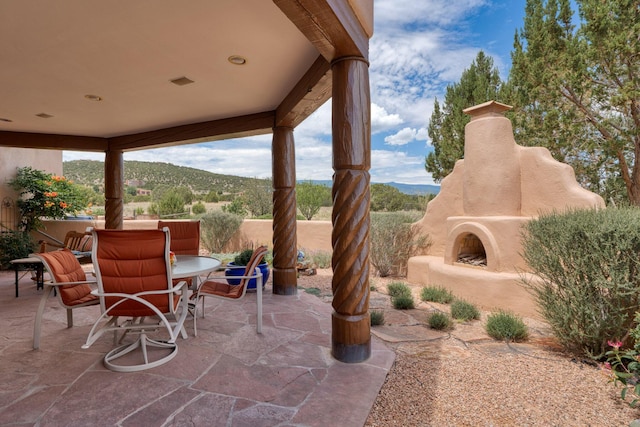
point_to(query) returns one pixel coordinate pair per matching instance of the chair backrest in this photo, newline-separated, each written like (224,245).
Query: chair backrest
(185,236)
(132,261)
(63,266)
(254,261)
(77,241)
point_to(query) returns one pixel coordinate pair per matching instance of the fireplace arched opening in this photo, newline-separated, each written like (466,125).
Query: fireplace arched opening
(470,250)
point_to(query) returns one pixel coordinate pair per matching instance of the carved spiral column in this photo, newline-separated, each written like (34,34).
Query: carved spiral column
(285,280)
(114,190)
(351,334)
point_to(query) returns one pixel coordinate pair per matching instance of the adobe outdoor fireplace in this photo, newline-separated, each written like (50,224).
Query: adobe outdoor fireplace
(476,220)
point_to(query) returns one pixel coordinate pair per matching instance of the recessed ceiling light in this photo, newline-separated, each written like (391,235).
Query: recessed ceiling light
(93,97)
(237,60)
(181,81)
(2,119)
(44,115)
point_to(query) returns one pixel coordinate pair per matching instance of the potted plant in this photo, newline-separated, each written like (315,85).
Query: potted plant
(241,260)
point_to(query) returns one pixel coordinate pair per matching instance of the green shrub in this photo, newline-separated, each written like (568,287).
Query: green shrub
(589,274)
(377,317)
(463,310)
(14,245)
(503,325)
(398,288)
(403,301)
(437,294)
(440,321)
(198,208)
(393,241)
(321,259)
(313,291)
(217,228)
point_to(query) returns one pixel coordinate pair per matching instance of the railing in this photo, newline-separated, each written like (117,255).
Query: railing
(8,215)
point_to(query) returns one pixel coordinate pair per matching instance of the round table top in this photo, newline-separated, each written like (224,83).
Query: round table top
(192,265)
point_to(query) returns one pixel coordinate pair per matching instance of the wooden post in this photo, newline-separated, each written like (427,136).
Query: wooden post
(114,190)
(285,281)
(351,333)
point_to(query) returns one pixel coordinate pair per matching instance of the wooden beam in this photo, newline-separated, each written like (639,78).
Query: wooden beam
(313,90)
(331,25)
(234,127)
(52,141)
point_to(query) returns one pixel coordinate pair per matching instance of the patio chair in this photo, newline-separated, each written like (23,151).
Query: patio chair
(185,240)
(134,282)
(185,236)
(70,284)
(219,289)
(79,243)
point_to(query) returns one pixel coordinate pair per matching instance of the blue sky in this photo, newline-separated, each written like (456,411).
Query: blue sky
(418,48)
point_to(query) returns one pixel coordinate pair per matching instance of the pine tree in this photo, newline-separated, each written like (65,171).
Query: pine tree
(577,90)
(479,83)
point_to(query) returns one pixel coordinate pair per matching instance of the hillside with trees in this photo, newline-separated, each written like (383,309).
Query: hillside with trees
(152,174)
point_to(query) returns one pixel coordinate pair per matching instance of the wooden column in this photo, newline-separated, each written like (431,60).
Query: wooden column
(114,190)
(351,334)
(285,251)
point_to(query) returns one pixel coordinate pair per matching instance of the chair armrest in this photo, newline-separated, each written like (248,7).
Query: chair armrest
(43,245)
(175,287)
(258,273)
(84,282)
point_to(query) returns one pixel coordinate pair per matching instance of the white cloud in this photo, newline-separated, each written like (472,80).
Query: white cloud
(394,13)
(405,136)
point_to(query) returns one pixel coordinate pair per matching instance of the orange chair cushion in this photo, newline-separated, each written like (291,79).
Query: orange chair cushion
(221,289)
(185,236)
(65,267)
(133,262)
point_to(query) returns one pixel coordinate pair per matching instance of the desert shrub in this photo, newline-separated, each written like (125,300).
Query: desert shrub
(506,326)
(217,228)
(440,321)
(588,270)
(464,310)
(398,288)
(321,259)
(377,317)
(437,294)
(393,241)
(198,208)
(403,301)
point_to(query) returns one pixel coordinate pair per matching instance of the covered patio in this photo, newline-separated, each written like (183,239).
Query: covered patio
(227,375)
(112,77)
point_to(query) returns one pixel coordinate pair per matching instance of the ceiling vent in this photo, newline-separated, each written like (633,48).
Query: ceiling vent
(181,81)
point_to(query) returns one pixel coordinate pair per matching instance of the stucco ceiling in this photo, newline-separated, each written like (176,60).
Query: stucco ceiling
(54,53)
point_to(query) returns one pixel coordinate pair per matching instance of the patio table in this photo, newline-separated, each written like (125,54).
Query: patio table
(193,266)
(28,264)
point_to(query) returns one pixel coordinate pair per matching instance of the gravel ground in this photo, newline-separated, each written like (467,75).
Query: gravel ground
(464,378)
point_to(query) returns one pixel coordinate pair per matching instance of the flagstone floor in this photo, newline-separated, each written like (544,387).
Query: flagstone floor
(226,376)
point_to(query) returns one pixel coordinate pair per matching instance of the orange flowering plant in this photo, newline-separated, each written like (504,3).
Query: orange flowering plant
(43,195)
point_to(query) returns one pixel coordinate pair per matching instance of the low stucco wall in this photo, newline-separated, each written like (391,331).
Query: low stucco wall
(488,290)
(312,235)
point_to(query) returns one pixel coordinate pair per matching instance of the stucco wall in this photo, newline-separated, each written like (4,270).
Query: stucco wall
(13,158)
(312,235)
